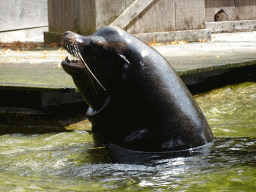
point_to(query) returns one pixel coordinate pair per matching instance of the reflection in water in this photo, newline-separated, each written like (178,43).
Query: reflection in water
(70,161)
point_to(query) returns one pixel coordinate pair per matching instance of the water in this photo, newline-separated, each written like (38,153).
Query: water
(231,111)
(70,162)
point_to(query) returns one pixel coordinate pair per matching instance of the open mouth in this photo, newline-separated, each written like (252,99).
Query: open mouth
(72,47)
(77,62)
(74,50)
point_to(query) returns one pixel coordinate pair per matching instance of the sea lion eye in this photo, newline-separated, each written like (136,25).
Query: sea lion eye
(127,63)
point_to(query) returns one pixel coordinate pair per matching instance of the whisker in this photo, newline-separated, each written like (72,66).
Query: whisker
(80,56)
(74,50)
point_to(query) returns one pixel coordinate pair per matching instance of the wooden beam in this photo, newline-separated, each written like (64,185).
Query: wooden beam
(131,13)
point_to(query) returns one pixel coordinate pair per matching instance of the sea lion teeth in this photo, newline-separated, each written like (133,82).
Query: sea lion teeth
(67,60)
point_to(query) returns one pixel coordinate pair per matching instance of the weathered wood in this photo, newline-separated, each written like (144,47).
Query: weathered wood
(209,11)
(76,15)
(131,13)
(236,9)
(190,14)
(87,17)
(134,25)
(107,11)
(68,15)
(165,12)
(157,17)
(55,15)
(231,26)
(163,37)
(245,9)
(227,5)
(148,19)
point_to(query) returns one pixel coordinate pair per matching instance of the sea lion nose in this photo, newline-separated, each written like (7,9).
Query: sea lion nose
(68,34)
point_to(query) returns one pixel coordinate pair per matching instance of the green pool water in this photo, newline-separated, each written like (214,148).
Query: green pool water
(69,161)
(231,111)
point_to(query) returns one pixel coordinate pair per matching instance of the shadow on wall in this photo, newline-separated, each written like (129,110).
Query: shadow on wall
(221,15)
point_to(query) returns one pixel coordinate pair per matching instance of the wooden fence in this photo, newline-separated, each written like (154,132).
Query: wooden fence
(86,16)
(144,16)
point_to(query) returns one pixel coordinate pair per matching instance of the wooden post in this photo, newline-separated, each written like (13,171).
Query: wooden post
(87,23)
(55,15)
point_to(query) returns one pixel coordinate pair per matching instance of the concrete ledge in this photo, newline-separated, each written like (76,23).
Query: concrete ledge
(195,78)
(160,37)
(197,75)
(231,26)
(187,35)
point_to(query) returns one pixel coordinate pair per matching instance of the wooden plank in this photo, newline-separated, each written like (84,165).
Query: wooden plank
(148,19)
(107,11)
(209,11)
(134,25)
(68,15)
(159,16)
(50,17)
(231,26)
(227,5)
(245,9)
(254,9)
(77,17)
(163,37)
(55,16)
(87,19)
(131,13)
(165,15)
(199,15)
(190,14)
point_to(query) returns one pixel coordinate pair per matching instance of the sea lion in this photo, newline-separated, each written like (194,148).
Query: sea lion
(136,100)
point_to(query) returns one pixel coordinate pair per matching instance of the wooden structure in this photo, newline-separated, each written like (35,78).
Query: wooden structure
(142,16)
(241,15)
(86,16)
(235,9)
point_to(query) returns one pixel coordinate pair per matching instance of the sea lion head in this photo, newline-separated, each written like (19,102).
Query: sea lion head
(101,62)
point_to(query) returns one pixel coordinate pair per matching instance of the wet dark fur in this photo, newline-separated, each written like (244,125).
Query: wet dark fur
(136,99)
